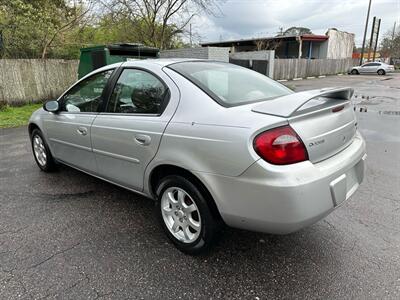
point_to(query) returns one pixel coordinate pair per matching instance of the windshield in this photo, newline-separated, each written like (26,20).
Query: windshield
(228,84)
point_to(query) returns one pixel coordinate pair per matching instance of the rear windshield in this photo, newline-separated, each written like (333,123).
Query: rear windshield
(228,84)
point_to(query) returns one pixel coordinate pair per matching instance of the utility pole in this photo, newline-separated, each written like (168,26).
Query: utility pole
(365,32)
(1,43)
(394,31)
(372,38)
(377,37)
(190,34)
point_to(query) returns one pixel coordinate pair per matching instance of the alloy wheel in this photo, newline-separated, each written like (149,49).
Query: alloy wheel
(39,150)
(181,214)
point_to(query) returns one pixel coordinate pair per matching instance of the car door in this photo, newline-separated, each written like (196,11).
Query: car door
(367,68)
(68,130)
(377,66)
(374,67)
(126,136)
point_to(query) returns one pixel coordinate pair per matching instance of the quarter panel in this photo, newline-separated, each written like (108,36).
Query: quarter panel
(207,148)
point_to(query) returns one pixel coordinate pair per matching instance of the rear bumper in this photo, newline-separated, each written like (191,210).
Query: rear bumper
(284,199)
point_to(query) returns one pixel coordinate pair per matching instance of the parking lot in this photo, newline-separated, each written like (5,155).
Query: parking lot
(68,235)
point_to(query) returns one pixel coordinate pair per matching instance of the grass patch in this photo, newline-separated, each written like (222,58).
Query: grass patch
(16,116)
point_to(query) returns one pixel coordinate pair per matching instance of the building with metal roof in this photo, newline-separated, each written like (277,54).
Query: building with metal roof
(334,44)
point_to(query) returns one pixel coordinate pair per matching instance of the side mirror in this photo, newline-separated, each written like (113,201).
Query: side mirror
(51,106)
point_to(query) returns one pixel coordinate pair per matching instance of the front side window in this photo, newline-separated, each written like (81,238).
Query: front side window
(138,92)
(228,84)
(86,95)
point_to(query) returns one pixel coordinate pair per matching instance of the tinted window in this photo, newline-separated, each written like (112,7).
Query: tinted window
(86,96)
(137,91)
(229,84)
(371,65)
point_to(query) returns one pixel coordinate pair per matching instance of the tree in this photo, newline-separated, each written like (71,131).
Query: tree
(59,28)
(33,26)
(158,22)
(296,31)
(390,45)
(65,18)
(263,44)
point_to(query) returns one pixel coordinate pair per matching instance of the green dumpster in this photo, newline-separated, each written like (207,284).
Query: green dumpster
(96,57)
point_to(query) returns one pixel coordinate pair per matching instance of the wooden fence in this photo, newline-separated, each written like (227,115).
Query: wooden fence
(34,80)
(302,68)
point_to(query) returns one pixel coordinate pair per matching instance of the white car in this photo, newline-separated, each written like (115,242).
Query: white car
(373,68)
(212,143)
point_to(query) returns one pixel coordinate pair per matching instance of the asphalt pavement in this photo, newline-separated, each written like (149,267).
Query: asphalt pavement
(71,236)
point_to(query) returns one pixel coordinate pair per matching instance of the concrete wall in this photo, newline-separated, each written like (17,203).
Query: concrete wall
(302,68)
(213,53)
(35,80)
(268,55)
(339,45)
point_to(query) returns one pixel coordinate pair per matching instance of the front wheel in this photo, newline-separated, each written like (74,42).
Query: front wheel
(185,215)
(381,72)
(41,152)
(354,72)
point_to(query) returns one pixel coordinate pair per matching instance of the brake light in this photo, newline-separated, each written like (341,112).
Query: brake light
(280,146)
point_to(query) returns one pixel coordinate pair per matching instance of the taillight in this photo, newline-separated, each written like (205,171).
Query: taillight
(280,146)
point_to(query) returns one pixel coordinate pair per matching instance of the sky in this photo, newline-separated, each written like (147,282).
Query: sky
(262,18)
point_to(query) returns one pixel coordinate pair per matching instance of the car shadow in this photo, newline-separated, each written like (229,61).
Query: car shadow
(131,225)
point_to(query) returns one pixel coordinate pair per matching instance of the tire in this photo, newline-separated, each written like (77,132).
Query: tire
(41,152)
(191,232)
(381,72)
(354,72)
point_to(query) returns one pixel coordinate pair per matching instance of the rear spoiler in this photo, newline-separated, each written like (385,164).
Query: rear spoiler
(286,106)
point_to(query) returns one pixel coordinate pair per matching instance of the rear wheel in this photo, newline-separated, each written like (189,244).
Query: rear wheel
(185,215)
(354,72)
(41,152)
(381,72)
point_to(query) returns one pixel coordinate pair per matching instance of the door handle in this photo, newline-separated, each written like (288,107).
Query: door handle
(82,130)
(143,139)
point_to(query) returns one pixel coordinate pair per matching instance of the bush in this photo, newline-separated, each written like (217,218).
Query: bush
(3,105)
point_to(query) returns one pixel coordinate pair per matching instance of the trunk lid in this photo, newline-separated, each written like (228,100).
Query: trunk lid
(324,119)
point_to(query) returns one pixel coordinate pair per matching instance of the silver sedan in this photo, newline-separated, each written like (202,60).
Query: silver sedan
(373,68)
(212,143)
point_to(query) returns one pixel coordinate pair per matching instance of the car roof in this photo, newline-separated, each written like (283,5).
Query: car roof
(162,62)
(159,61)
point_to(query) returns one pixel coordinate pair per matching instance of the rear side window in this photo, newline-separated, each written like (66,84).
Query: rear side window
(371,65)
(228,84)
(139,92)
